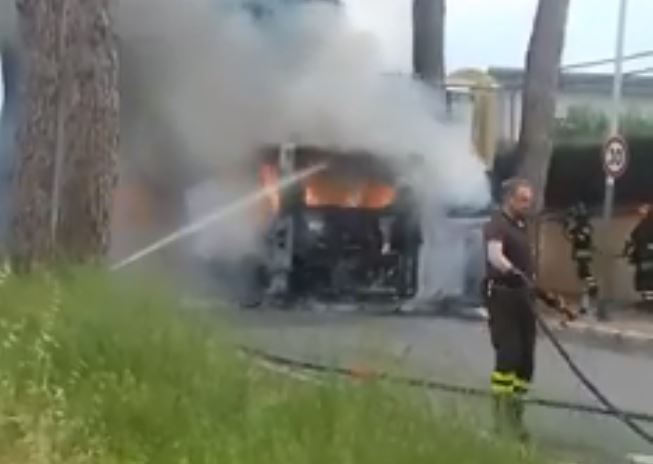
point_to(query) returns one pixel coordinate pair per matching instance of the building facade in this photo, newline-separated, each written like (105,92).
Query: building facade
(576,90)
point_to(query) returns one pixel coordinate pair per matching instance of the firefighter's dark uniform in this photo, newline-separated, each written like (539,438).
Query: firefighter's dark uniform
(640,251)
(406,238)
(580,232)
(511,320)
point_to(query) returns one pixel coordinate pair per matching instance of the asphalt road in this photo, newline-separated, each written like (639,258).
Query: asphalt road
(459,352)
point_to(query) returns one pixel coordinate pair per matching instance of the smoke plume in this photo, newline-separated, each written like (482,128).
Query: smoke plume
(222,84)
(204,85)
(226,84)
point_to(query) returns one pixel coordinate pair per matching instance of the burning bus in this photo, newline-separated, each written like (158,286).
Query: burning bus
(347,232)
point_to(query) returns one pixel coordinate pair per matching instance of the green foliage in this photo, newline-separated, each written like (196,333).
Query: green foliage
(637,125)
(96,370)
(584,124)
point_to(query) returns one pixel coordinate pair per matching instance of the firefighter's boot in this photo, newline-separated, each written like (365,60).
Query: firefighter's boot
(498,414)
(503,412)
(592,294)
(585,303)
(509,418)
(521,431)
(522,388)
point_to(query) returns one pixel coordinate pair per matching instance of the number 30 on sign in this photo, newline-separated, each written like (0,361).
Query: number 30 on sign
(615,157)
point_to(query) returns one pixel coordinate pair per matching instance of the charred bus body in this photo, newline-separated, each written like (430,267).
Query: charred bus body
(348,232)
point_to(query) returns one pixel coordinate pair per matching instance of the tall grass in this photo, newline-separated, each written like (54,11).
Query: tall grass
(95,370)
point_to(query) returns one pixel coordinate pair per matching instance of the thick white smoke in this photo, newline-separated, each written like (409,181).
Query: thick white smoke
(227,85)
(204,86)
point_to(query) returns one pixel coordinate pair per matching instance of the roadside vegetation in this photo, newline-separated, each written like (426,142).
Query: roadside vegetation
(97,370)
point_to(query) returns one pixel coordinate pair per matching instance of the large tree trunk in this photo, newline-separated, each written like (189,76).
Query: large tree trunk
(39,30)
(88,174)
(428,40)
(68,131)
(539,95)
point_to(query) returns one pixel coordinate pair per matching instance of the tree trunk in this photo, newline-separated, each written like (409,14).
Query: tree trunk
(428,40)
(88,173)
(39,29)
(539,94)
(68,131)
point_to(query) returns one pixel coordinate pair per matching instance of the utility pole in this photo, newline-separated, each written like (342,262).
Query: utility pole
(618,69)
(608,205)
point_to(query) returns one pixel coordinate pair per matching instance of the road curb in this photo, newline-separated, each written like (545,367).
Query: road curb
(639,459)
(577,331)
(605,336)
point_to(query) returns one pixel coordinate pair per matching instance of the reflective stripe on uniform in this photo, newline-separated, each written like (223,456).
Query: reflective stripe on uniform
(521,386)
(502,390)
(503,382)
(591,282)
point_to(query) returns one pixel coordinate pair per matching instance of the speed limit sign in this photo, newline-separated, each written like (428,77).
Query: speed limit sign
(615,157)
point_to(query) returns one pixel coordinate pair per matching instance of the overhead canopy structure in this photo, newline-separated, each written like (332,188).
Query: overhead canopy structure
(482,89)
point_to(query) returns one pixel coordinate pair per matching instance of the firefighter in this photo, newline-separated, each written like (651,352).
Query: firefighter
(406,239)
(512,324)
(639,250)
(580,233)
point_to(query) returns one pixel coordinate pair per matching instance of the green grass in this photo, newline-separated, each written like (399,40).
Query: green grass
(119,374)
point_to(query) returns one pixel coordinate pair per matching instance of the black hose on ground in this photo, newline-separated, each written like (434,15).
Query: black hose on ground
(575,369)
(308,366)
(626,418)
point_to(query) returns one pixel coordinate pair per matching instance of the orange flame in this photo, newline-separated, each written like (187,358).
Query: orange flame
(270,180)
(326,190)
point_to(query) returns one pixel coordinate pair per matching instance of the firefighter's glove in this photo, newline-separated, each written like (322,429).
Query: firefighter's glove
(560,304)
(564,308)
(548,298)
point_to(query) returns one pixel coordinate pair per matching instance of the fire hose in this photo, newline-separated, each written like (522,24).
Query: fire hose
(628,418)
(559,304)
(611,409)
(433,385)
